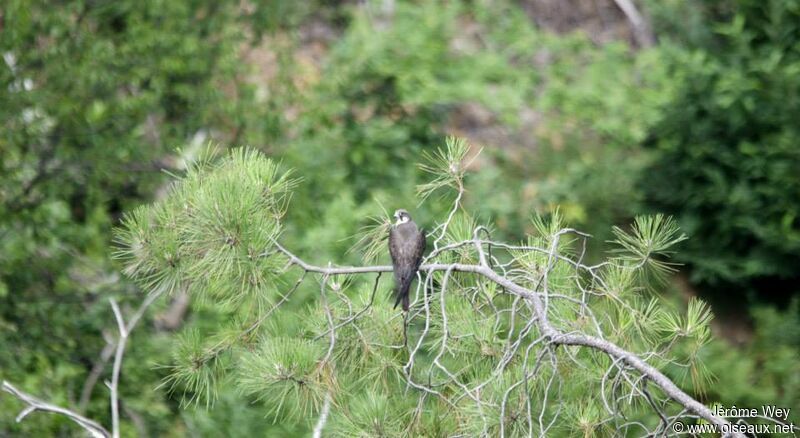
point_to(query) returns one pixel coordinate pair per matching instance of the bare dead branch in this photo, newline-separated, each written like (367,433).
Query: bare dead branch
(124,332)
(94,375)
(641,28)
(323,417)
(35,404)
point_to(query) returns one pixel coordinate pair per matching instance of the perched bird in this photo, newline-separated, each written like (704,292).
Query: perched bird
(406,245)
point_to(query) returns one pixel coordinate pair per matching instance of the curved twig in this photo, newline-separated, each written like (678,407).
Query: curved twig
(35,404)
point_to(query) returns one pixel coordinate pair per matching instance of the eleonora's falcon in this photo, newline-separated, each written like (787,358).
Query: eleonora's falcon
(406,245)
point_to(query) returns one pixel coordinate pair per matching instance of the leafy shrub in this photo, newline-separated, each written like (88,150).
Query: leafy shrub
(766,370)
(727,154)
(95,95)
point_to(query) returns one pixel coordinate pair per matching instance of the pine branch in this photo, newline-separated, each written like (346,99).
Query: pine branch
(554,336)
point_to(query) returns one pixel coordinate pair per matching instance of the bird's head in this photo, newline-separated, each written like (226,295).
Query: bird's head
(402,216)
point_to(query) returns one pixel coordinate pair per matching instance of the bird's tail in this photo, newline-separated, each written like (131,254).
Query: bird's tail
(401,294)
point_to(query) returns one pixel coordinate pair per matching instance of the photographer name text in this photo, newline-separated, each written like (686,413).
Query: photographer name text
(768,411)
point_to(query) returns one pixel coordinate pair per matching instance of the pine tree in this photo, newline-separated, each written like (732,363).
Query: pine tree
(502,339)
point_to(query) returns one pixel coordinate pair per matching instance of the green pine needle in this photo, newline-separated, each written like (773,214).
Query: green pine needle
(650,239)
(284,374)
(447,165)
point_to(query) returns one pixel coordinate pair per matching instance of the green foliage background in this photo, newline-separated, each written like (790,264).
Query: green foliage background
(728,155)
(98,98)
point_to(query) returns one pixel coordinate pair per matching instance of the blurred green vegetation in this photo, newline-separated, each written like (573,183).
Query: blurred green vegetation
(728,152)
(99,99)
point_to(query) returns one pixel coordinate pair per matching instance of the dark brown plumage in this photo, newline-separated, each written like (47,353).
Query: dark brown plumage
(406,246)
